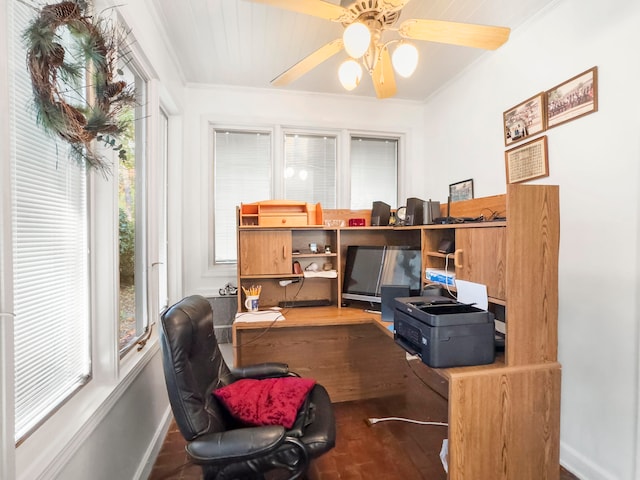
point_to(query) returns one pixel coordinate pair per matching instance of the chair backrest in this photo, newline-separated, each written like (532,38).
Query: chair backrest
(193,367)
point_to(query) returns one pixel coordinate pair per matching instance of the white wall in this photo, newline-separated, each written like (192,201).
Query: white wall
(595,160)
(228,106)
(125,443)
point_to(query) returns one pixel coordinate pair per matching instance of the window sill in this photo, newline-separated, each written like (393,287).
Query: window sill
(45,453)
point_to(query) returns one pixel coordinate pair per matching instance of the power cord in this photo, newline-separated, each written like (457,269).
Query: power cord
(446,270)
(373,421)
(273,322)
(266,329)
(295,295)
(493,215)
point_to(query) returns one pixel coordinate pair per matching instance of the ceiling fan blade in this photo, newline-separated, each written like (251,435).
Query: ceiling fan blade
(393,5)
(308,63)
(464,34)
(316,8)
(383,77)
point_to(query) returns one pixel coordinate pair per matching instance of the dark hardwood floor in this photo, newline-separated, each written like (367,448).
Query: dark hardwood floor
(388,450)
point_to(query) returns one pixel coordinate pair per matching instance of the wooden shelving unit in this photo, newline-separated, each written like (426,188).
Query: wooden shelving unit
(279,213)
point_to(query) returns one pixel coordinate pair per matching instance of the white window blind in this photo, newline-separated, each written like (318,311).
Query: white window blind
(374,171)
(310,169)
(49,211)
(242,174)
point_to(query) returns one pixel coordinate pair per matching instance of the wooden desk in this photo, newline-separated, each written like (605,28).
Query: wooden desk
(503,420)
(347,350)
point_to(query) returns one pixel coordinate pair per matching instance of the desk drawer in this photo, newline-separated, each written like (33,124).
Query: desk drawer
(287,220)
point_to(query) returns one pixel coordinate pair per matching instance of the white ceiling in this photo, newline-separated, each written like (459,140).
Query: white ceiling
(242,43)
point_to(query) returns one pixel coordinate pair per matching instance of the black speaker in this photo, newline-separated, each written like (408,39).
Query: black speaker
(389,293)
(431,211)
(380,213)
(415,209)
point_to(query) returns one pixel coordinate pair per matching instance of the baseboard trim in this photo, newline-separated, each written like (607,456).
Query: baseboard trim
(581,466)
(150,456)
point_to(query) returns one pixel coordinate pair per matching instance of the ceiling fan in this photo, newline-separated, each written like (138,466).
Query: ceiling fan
(364,22)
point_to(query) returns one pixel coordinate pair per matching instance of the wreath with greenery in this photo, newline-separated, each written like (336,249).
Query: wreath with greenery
(57,77)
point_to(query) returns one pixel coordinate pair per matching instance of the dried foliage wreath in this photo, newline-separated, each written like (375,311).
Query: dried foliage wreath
(57,75)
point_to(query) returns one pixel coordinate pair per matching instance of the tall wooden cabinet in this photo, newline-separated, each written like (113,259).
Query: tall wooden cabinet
(504,418)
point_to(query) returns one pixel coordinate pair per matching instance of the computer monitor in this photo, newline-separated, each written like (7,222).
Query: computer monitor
(368,267)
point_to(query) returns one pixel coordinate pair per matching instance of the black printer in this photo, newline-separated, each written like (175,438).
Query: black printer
(443,332)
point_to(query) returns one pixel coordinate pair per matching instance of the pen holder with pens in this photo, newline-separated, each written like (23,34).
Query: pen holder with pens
(252,297)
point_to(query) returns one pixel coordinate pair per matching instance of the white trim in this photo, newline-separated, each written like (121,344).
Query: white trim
(174,208)
(151,454)
(582,467)
(7,452)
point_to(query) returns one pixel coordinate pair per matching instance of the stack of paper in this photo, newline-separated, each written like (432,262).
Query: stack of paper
(321,274)
(259,316)
(440,276)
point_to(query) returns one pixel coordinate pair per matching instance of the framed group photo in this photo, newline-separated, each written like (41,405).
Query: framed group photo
(525,120)
(574,98)
(461,190)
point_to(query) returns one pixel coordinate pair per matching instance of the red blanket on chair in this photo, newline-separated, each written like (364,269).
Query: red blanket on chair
(271,401)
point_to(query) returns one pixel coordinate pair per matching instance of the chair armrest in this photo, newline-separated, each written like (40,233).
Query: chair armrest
(262,370)
(236,445)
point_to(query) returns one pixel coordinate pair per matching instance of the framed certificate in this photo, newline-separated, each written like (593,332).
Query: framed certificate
(528,161)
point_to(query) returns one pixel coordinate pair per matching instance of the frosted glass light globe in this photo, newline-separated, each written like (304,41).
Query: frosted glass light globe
(356,38)
(405,59)
(350,74)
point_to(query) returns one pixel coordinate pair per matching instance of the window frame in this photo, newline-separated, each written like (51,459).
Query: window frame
(49,448)
(278,131)
(281,183)
(66,179)
(230,266)
(142,203)
(353,136)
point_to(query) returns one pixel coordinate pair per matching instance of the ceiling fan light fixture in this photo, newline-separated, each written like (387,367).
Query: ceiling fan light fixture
(350,74)
(405,59)
(356,38)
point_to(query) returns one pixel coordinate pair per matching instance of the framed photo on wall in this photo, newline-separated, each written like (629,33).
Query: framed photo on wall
(527,161)
(525,120)
(461,190)
(574,98)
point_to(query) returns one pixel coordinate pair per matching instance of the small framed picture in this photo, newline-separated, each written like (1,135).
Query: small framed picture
(461,191)
(525,120)
(527,161)
(574,98)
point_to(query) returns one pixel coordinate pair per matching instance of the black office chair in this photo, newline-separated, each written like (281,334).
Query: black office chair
(194,367)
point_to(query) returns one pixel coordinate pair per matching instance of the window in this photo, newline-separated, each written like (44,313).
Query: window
(305,171)
(374,162)
(242,174)
(50,261)
(163,240)
(132,219)
(310,169)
